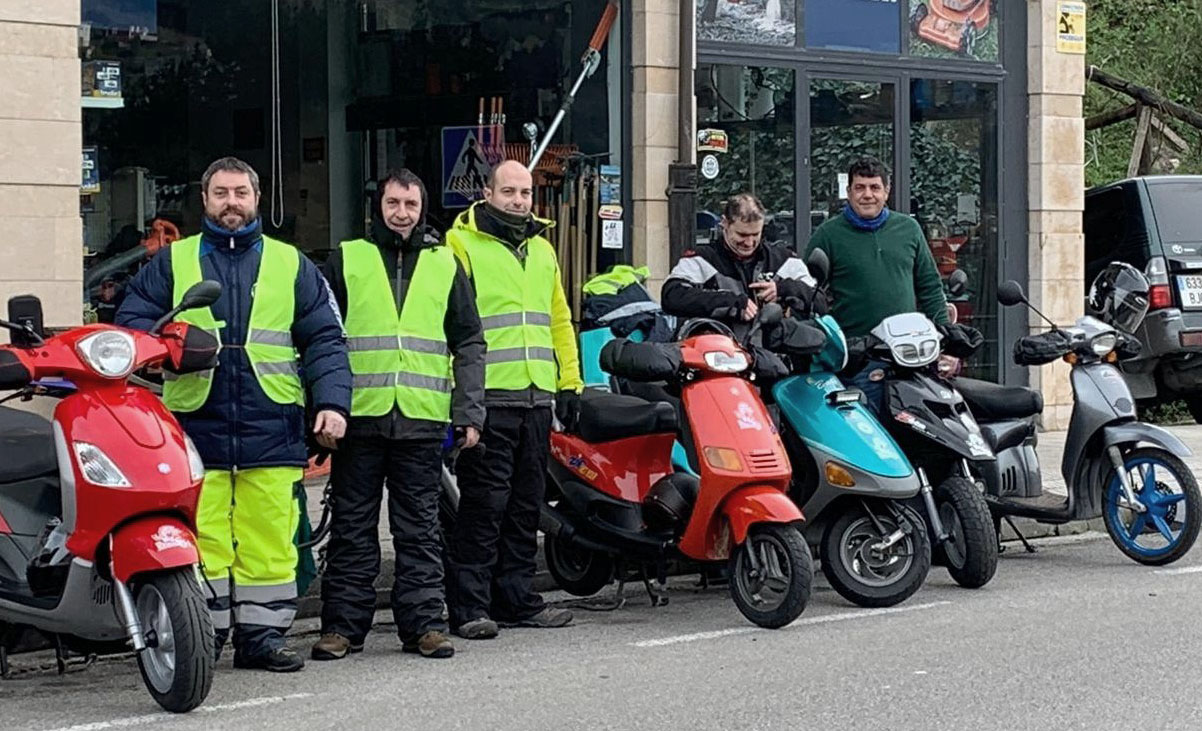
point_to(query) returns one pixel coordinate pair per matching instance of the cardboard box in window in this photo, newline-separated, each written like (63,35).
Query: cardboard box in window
(102,79)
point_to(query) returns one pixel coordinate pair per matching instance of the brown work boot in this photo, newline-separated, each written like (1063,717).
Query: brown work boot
(333,646)
(431,644)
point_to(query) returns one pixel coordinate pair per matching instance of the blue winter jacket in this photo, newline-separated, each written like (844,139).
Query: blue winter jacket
(240,426)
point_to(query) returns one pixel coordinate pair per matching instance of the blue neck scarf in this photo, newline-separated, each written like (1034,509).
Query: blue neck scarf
(866,224)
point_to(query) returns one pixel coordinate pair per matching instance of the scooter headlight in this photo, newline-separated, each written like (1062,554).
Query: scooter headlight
(110,353)
(1103,344)
(722,362)
(196,466)
(97,468)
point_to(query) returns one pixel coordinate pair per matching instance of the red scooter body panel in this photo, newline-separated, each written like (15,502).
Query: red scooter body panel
(725,412)
(624,469)
(152,543)
(121,420)
(757,504)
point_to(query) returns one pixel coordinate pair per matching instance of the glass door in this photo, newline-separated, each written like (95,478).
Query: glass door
(848,119)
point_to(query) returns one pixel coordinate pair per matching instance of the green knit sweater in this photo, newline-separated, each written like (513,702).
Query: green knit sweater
(875,274)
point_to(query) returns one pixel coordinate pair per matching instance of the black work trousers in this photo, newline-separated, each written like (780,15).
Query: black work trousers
(495,540)
(412,470)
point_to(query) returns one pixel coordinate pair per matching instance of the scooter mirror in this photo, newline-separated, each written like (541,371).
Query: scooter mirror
(819,265)
(957,283)
(1010,293)
(201,294)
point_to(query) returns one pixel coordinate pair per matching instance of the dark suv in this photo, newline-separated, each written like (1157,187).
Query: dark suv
(1155,224)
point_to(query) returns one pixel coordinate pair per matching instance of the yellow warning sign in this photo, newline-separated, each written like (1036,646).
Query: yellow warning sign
(1070,27)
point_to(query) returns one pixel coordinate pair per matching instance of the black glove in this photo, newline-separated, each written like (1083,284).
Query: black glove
(567,409)
(1128,347)
(960,341)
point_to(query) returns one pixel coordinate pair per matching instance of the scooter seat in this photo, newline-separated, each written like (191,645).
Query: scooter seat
(1002,435)
(605,417)
(26,446)
(991,402)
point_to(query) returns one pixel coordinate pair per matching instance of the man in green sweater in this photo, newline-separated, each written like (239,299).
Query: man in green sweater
(880,264)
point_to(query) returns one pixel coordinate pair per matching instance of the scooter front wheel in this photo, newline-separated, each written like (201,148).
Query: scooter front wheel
(177,664)
(865,571)
(1168,525)
(971,551)
(771,575)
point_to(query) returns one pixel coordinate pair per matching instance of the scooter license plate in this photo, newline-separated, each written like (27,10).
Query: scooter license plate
(1190,288)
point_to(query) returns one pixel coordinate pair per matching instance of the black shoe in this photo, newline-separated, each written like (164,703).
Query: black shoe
(549,617)
(282,660)
(481,628)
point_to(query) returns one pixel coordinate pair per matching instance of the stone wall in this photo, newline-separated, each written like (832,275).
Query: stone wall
(40,138)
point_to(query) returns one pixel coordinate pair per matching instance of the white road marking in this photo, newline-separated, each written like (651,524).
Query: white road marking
(159,717)
(824,619)
(1179,571)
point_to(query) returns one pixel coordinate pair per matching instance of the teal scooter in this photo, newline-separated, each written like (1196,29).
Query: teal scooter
(850,478)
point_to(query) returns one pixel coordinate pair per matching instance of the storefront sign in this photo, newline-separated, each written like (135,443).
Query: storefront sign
(712,140)
(611,186)
(610,212)
(90,182)
(102,79)
(1070,27)
(611,234)
(709,167)
(468,156)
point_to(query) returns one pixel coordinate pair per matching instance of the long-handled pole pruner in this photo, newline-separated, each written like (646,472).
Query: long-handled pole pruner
(591,60)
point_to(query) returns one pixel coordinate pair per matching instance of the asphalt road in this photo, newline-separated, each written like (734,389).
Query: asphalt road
(1073,637)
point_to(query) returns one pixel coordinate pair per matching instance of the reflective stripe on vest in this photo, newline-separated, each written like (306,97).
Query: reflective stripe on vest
(269,344)
(514,299)
(402,360)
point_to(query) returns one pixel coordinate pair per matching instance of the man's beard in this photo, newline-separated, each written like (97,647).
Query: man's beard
(244,218)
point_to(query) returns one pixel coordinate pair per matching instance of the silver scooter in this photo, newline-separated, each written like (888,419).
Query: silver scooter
(1115,466)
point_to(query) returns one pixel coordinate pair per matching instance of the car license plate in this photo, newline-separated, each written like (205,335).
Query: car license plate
(1190,287)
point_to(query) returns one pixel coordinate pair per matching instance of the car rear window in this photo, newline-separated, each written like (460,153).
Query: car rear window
(1177,207)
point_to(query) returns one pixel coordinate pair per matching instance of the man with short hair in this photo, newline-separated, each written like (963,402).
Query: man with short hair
(276,320)
(532,362)
(880,265)
(417,355)
(730,279)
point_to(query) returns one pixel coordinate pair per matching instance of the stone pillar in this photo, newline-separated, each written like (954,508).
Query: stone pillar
(40,154)
(1056,185)
(655,60)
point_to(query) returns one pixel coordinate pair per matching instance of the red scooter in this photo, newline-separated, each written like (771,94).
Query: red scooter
(615,498)
(98,506)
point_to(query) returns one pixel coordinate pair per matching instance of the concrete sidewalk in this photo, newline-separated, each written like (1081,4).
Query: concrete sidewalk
(1050,449)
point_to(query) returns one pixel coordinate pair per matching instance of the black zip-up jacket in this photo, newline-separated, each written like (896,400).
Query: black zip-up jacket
(465,335)
(710,282)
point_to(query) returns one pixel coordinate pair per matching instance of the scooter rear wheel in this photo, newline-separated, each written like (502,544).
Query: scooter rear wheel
(771,575)
(577,571)
(177,664)
(971,558)
(872,577)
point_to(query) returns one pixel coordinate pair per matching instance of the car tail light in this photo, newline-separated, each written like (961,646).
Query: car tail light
(1160,296)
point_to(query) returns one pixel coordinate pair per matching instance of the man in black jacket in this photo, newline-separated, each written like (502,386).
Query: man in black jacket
(730,279)
(413,331)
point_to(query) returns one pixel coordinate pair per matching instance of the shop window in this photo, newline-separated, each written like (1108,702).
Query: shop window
(746,144)
(758,22)
(853,25)
(965,29)
(848,120)
(953,196)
